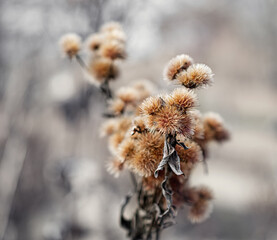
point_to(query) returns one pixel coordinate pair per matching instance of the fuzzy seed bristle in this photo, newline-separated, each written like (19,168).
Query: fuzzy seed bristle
(176,65)
(195,76)
(182,98)
(151,105)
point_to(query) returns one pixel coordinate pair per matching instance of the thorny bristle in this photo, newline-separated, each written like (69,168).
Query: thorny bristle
(176,65)
(151,105)
(70,44)
(182,98)
(195,76)
(143,153)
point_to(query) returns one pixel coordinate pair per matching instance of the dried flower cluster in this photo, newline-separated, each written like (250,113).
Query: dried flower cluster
(164,139)
(105,48)
(182,70)
(159,139)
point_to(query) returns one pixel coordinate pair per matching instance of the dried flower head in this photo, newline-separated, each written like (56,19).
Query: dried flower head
(115,140)
(196,75)
(70,44)
(176,65)
(169,116)
(143,153)
(151,105)
(113,49)
(200,212)
(94,41)
(202,207)
(117,106)
(214,128)
(144,88)
(108,127)
(182,98)
(103,68)
(198,124)
(127,94)
(138,125)
(115,166)
(169,120)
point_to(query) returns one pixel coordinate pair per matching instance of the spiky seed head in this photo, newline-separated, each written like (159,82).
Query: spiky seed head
(176,65)
(197,75)
(148,154)
(115,167)
(113,50)
(94,41)
(151,105)
(201,207)
(182,98)
(108,127)
(214,128)
(116,106)
(70,44)
(127,149)
(200,212)
(127,94)
(115,140)
(144,88)
(169,120)
(103,68)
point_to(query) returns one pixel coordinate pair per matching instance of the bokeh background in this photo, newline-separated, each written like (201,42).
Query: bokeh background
(53,180)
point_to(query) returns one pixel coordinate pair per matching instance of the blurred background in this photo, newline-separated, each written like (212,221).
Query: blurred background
(53,180)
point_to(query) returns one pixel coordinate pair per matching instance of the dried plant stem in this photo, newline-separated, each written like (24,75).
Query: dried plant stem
(81,62)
